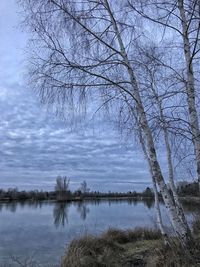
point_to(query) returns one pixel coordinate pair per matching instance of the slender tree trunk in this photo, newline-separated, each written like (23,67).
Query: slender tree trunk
(190,87)
(180,228)
(157,205)
(170,164)
(171,178)
(158,211)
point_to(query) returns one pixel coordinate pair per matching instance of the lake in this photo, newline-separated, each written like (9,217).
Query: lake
(42,230)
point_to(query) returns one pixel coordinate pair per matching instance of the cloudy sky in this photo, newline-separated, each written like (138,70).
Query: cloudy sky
(36,146)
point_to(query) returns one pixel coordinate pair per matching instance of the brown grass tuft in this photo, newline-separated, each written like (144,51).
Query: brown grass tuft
(130,248)
(90,251)
(108,250)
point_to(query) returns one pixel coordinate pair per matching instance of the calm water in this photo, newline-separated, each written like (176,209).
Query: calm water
(43,230)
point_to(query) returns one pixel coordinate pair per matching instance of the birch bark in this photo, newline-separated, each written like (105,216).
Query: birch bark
(193,114)
(180,228)
(157,205)
(169,160)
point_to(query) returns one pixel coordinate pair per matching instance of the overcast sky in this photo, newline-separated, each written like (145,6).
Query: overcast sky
(36,146)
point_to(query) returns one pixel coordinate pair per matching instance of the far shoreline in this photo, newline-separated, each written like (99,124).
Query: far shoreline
(186,200)
(188,193)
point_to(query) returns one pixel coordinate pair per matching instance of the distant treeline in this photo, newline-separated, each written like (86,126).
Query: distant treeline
(15,194)
(184,189)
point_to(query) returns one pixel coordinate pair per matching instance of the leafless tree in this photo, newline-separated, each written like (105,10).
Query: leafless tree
(181,19)
(158,96)
(84,188)
(62,187)
(87,50)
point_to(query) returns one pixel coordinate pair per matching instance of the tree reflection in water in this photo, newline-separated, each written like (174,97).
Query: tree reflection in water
(61,210)
(60,213)
(148,202)
(83,210)
(11,206)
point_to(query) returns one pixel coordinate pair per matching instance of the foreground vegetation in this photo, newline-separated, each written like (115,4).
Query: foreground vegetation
(128,248)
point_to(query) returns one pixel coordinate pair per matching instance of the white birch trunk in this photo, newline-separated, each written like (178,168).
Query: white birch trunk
(180,228)
(171,179)
(193,115)
(170,164)
(157,205)
(158,211)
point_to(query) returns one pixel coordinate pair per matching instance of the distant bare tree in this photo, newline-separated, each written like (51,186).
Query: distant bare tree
(62,187)
(84,188)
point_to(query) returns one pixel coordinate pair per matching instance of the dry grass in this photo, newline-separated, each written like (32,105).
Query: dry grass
(90,251)
(118,248)
(110,249)
(125,236)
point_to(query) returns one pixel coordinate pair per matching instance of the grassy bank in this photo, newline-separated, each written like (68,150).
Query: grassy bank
(118,248)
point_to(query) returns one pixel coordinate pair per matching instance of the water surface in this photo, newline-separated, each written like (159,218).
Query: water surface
(44,229)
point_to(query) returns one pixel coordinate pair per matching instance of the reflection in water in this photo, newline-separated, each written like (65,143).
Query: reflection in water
(61,210)
(11,206)
(149,203)
(60,213)
(14,205)
(35,225)
(83,210)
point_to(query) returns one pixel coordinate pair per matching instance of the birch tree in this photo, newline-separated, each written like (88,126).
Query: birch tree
(135,127)
(153,80)
(182,19)
(156,197)
(85,50)
(191,42)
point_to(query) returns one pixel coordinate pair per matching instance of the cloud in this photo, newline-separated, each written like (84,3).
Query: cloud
(36,146)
